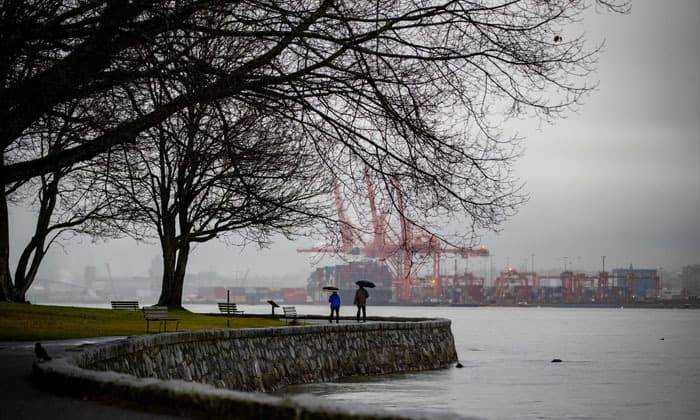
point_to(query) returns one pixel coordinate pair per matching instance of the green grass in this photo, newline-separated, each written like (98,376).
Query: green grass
(23,322)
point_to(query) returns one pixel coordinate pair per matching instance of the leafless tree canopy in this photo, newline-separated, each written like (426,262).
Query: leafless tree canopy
(212,171)
(65,200)
(407,89)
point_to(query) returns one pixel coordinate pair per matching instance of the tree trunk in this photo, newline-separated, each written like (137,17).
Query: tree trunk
(174,268)
(7,289)
(8,292)
(33,254)
(28,266)
(168,292)
(175,256)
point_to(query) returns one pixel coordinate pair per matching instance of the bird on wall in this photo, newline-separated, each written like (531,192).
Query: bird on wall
(40,352)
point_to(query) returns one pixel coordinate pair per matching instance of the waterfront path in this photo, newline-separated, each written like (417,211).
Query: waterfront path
(20,399)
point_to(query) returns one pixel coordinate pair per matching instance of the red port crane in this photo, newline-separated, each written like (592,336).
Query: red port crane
(406,250)
(526,282)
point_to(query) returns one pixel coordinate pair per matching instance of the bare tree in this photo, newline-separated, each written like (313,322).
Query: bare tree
(65,200)
(213,171)
(408,89)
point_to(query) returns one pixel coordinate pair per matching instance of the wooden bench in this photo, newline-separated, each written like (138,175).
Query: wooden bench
(126,305)
(159,314)
(290,312)
(229,308)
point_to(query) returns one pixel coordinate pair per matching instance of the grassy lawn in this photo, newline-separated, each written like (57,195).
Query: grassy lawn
(22,322)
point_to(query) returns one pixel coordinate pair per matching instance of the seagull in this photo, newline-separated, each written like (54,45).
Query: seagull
(40,352)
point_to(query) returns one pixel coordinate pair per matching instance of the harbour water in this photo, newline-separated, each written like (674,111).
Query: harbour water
(617,363)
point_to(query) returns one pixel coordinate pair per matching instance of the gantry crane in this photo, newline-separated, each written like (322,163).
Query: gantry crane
(526,282)
(405,250)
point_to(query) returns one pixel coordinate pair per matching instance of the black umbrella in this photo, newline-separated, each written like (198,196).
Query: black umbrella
(365,283)
(331,288)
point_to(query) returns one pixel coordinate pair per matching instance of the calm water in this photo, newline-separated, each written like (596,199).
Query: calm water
(615,365)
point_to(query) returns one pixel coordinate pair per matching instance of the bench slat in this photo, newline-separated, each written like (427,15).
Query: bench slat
(160,314)
(125,304)
(229,308)
(290,312)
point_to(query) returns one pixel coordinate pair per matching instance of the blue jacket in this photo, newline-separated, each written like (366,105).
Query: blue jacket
(334,299)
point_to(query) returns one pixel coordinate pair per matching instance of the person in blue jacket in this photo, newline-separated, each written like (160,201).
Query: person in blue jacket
(334,299)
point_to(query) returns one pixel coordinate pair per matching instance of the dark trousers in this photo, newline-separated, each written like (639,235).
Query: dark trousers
(337,315)
(363,308)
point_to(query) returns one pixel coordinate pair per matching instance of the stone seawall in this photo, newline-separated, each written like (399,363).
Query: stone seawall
(268,359)
(185,372)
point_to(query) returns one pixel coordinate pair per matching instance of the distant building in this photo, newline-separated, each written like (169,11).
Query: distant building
(690,281)
(90,274)
(670,294)
(643,282)
(155,271)
(344,277)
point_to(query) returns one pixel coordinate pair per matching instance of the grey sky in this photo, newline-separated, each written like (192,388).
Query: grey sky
(620,177)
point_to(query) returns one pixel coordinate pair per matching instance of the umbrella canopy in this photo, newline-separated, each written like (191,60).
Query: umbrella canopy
(364,283)
(331,288)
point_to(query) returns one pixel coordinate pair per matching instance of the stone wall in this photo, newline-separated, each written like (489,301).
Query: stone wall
(268,359)
(186,373)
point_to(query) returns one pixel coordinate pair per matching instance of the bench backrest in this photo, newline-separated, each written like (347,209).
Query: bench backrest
(155,312)
(223,307)
(125,304)
(289,310)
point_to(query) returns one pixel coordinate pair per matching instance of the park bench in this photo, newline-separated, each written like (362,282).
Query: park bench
(127,305)
(290,312)
(229,308)
(159,314)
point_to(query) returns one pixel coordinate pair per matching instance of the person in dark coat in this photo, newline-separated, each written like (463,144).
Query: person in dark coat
(361,296)
(334,300)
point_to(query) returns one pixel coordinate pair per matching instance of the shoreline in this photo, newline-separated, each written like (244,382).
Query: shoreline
(225,373)
(652,305)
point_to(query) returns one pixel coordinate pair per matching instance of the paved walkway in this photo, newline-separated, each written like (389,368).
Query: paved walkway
(21,399)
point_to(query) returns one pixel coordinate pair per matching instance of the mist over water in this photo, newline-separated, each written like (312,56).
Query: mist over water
(615,365)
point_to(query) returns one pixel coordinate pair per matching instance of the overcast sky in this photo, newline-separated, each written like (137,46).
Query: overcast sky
(620,177)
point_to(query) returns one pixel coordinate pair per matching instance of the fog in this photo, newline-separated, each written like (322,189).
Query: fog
(620,177)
